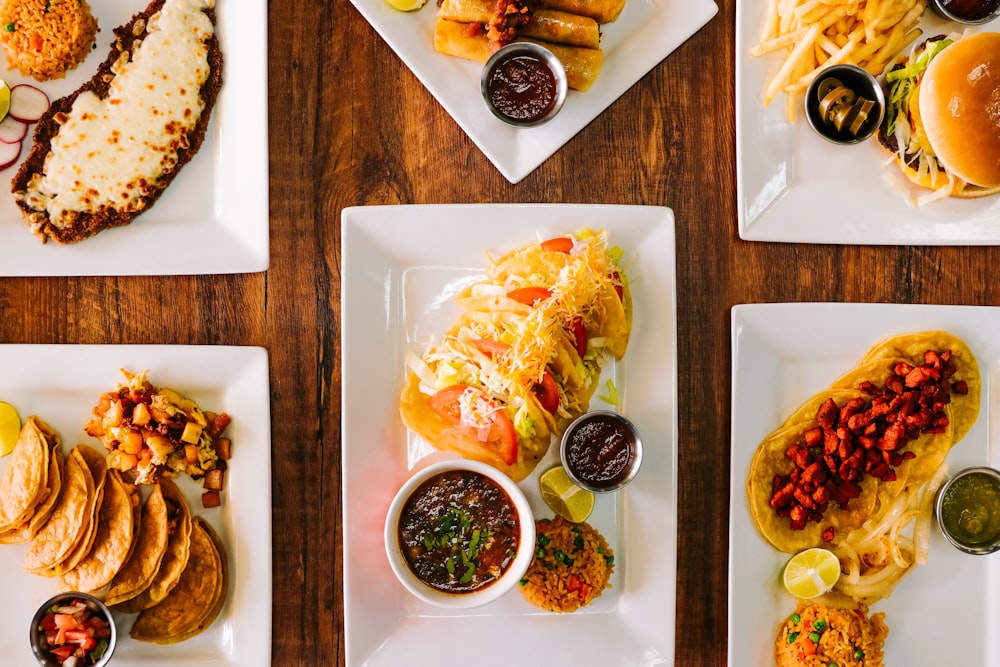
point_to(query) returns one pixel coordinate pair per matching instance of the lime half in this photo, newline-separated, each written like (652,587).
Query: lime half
(811,573)
(564,497)
(4,99)
(406,5)
(10,428)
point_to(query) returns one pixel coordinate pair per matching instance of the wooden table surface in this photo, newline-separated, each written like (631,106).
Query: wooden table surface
(351,125)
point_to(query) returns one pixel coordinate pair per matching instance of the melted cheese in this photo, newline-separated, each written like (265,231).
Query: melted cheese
(110,152)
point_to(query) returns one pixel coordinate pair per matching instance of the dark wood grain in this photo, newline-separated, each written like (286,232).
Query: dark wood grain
(350,125)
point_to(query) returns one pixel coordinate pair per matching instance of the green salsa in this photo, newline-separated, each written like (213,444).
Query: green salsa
(970,510)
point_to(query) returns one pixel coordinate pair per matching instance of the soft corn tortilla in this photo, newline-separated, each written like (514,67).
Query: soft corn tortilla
(196,600)
(174,558)
(24,482)
(98,472)
(27,530)
(147,554)
(112,542)
(69,520)
(930,449)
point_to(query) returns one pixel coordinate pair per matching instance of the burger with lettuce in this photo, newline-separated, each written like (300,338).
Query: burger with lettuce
(942,119)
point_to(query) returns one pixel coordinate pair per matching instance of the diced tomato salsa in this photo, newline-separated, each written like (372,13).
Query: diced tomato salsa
(73,629)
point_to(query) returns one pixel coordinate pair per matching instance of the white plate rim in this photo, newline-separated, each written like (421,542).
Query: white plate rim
(239,375)
(782,170)
(789,330)
(214,218)
(646,32)
(376,249)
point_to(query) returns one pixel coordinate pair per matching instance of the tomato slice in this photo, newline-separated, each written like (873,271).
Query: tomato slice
(579,333)
(491,348)
(558,244)
(502,436)
(529,295)
(547,392)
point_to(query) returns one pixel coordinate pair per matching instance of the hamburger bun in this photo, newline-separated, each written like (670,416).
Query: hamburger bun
(959,101)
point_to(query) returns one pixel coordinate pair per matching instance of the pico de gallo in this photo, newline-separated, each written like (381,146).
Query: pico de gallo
(74,633)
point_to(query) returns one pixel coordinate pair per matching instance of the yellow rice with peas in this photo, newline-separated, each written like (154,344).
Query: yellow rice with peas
(44,38)
(572,566)
(820,636)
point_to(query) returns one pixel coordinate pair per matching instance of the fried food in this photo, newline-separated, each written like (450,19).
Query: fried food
(70,519)
(27,530)
(24,483)
(174,558)
(525,354)
(147,554)
(813,34)
(112,541)
(813,481)
(98,472)
(104,154)
(198,597)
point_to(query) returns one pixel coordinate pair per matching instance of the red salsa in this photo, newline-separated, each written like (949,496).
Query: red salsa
(600,450)
(523,88)
(459,531)
(72,629)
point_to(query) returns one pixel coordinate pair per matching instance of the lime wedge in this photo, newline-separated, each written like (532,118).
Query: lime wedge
(406,5)
(10,428)
(811,573)
(564,497)
(4,99)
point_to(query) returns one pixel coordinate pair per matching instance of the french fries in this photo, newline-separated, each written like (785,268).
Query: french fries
(813,34)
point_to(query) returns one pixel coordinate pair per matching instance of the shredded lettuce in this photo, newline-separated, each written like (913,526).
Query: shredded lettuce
(612,397)
(902,81)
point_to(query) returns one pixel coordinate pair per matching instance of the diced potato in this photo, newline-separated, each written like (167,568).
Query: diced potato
(191,454)
(141,414)
(131,442)
(159,446)
(211,499)
(113,415)
(191,434)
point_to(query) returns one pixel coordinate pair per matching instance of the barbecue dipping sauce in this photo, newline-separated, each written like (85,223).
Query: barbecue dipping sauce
(522,88)
(971,10)
(600,451)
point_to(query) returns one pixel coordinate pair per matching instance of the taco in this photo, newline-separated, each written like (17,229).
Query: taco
(147,554)
(174,558)
(24,483)
(69,521)
(27,530)
(883,427)
(98,472)
(112,541)
(525,354)
(199,596)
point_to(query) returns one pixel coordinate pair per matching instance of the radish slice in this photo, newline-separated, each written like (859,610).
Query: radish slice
(9,154)
(27,103)
(12,131)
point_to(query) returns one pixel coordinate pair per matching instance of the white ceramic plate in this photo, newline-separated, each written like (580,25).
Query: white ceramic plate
(214,216)
(61,384)
(646,32)
(942,613)
(793,185)
(402,267)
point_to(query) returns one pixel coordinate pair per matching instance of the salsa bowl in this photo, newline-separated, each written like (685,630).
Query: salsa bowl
(459,534)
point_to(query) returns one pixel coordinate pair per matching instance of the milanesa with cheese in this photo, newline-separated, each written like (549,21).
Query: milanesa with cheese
(105,153)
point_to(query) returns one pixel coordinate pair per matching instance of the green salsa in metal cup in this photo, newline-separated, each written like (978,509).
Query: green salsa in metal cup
(968,510)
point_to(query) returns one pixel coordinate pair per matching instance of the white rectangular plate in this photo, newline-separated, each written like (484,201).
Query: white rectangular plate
(214,216)
(402,265)
(942,613)
(793,185)
(62,384)
(646,32)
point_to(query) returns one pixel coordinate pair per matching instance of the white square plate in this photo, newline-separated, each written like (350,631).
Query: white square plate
(402,265)
(646,32)
(214,216)
(793,185)
(62,384)
(942,613)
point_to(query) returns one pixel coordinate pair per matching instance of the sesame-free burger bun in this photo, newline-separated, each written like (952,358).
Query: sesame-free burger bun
(960,108)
